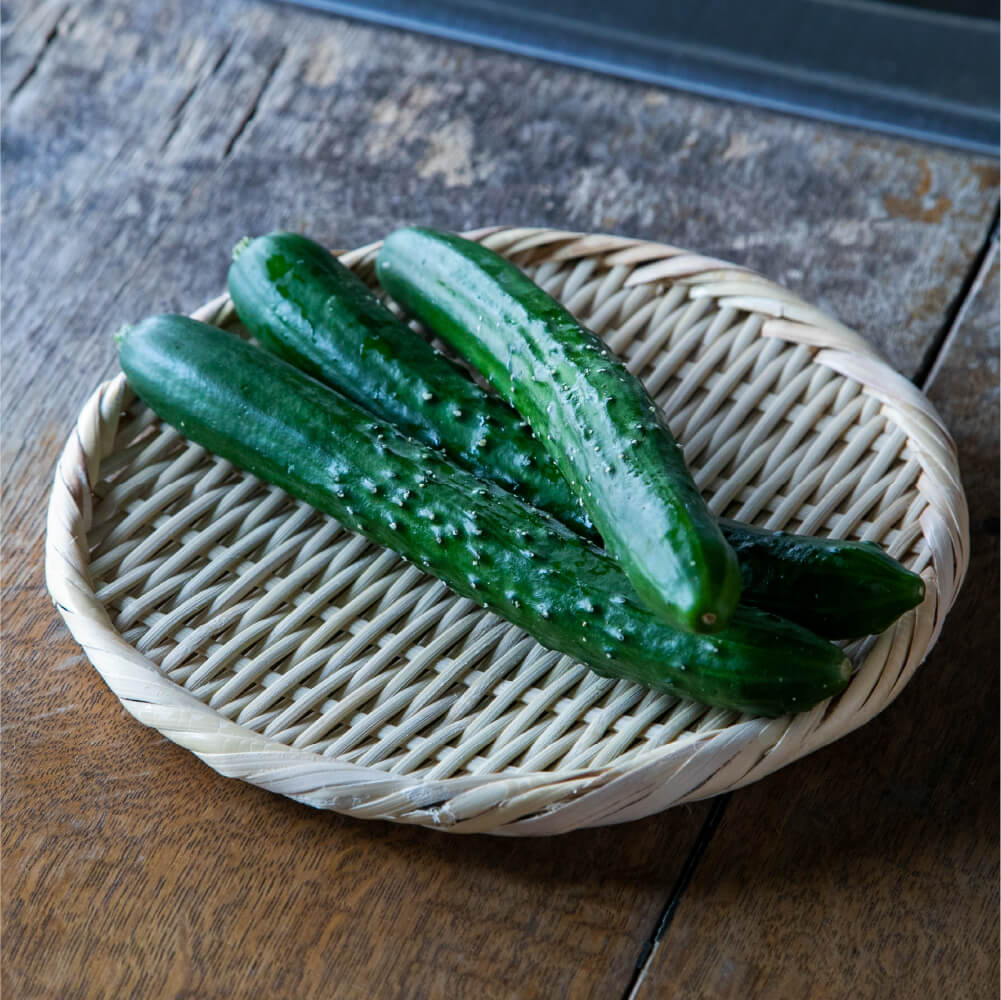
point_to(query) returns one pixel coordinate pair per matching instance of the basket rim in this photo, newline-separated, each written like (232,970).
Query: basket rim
(693,766)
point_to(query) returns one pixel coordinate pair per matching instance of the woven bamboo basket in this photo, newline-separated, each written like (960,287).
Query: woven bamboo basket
(286,651)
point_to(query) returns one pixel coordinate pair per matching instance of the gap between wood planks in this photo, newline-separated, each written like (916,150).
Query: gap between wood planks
(954,311)
(252,112)
(32,67)
(177,115)
(950,324)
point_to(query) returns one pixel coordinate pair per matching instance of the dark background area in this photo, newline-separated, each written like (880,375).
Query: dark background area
(925,70)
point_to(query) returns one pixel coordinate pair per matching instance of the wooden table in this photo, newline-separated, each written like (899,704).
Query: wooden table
(140,142)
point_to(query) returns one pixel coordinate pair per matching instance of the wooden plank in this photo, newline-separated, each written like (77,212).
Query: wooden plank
(126,117)
(26,37)
(292,119)
(144,141)
(131,870)
(870,869)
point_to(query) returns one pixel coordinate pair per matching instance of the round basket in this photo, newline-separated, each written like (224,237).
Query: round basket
(286,651)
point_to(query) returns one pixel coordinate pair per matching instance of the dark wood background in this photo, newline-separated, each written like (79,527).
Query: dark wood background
(140,141)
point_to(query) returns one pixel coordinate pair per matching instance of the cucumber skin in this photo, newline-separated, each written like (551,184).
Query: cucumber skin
(302,304)
(838,589)
(307,308)
(269,418)
(597,421)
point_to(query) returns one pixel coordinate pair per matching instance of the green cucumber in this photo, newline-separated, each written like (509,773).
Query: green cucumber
(838,589)
(597,421)
(302,304)
(266,416)
(305,306)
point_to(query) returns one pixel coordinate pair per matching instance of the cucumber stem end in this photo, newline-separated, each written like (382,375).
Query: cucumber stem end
(241,246)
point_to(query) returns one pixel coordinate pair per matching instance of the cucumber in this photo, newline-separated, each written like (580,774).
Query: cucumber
(597,421)
(305,306)
(837,589)
(266,416)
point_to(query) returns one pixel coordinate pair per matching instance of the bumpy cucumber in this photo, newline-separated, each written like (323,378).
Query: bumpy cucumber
(835,588)
(302,304)
(265,416)
(597,420)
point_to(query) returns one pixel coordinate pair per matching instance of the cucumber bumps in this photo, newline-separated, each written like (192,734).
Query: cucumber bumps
(302,304)
(309,309)
(597,421)
(269,418)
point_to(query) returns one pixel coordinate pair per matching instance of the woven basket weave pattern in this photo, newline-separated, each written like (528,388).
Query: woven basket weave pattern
(292,653)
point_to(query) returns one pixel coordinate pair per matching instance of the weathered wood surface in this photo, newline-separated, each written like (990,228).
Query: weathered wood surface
(140,141)
(870,870)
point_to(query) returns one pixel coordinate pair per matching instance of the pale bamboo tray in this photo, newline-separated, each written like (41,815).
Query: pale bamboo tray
(286,651)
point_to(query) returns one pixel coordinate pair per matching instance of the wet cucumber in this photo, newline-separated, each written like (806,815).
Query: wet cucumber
(305,306)
(597,421)
(265,416)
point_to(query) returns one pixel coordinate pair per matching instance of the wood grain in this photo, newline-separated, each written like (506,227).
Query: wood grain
(870,869)
(140,141)
(131,870)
